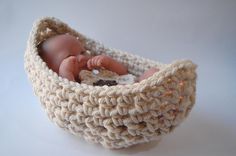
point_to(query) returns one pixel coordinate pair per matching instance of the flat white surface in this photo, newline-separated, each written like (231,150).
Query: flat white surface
(203,31)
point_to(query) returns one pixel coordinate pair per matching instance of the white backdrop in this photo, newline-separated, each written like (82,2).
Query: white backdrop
(203,31)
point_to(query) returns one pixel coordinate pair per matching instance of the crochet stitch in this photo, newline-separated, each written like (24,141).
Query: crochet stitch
(115,116)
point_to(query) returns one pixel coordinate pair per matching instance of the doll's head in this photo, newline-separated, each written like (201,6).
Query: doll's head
(57,48)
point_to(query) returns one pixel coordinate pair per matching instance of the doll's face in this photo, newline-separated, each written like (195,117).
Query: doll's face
(54,50)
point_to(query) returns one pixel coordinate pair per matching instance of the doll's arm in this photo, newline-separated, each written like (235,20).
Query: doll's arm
(103,61)
(117,68)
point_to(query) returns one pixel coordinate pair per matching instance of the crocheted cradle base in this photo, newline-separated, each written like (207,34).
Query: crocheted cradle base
(116,116)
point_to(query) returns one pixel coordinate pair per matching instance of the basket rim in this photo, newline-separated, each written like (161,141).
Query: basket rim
(156,79)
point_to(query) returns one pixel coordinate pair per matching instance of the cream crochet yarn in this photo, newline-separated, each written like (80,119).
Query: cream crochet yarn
(115,116)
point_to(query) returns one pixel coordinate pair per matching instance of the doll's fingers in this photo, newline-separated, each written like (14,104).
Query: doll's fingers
(89,64)
(101,60)
(97,60)
(92,61)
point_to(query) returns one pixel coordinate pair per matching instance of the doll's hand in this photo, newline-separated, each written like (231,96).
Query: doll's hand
(69,68)
(100,61)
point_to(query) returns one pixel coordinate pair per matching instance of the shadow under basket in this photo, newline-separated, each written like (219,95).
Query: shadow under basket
(114,116)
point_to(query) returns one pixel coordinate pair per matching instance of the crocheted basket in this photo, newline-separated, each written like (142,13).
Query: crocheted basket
(115,116)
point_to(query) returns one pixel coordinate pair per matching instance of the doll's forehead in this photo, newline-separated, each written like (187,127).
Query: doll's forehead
(54,43)
(62,41)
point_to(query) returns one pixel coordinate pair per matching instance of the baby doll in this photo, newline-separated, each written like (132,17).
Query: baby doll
(66,55)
